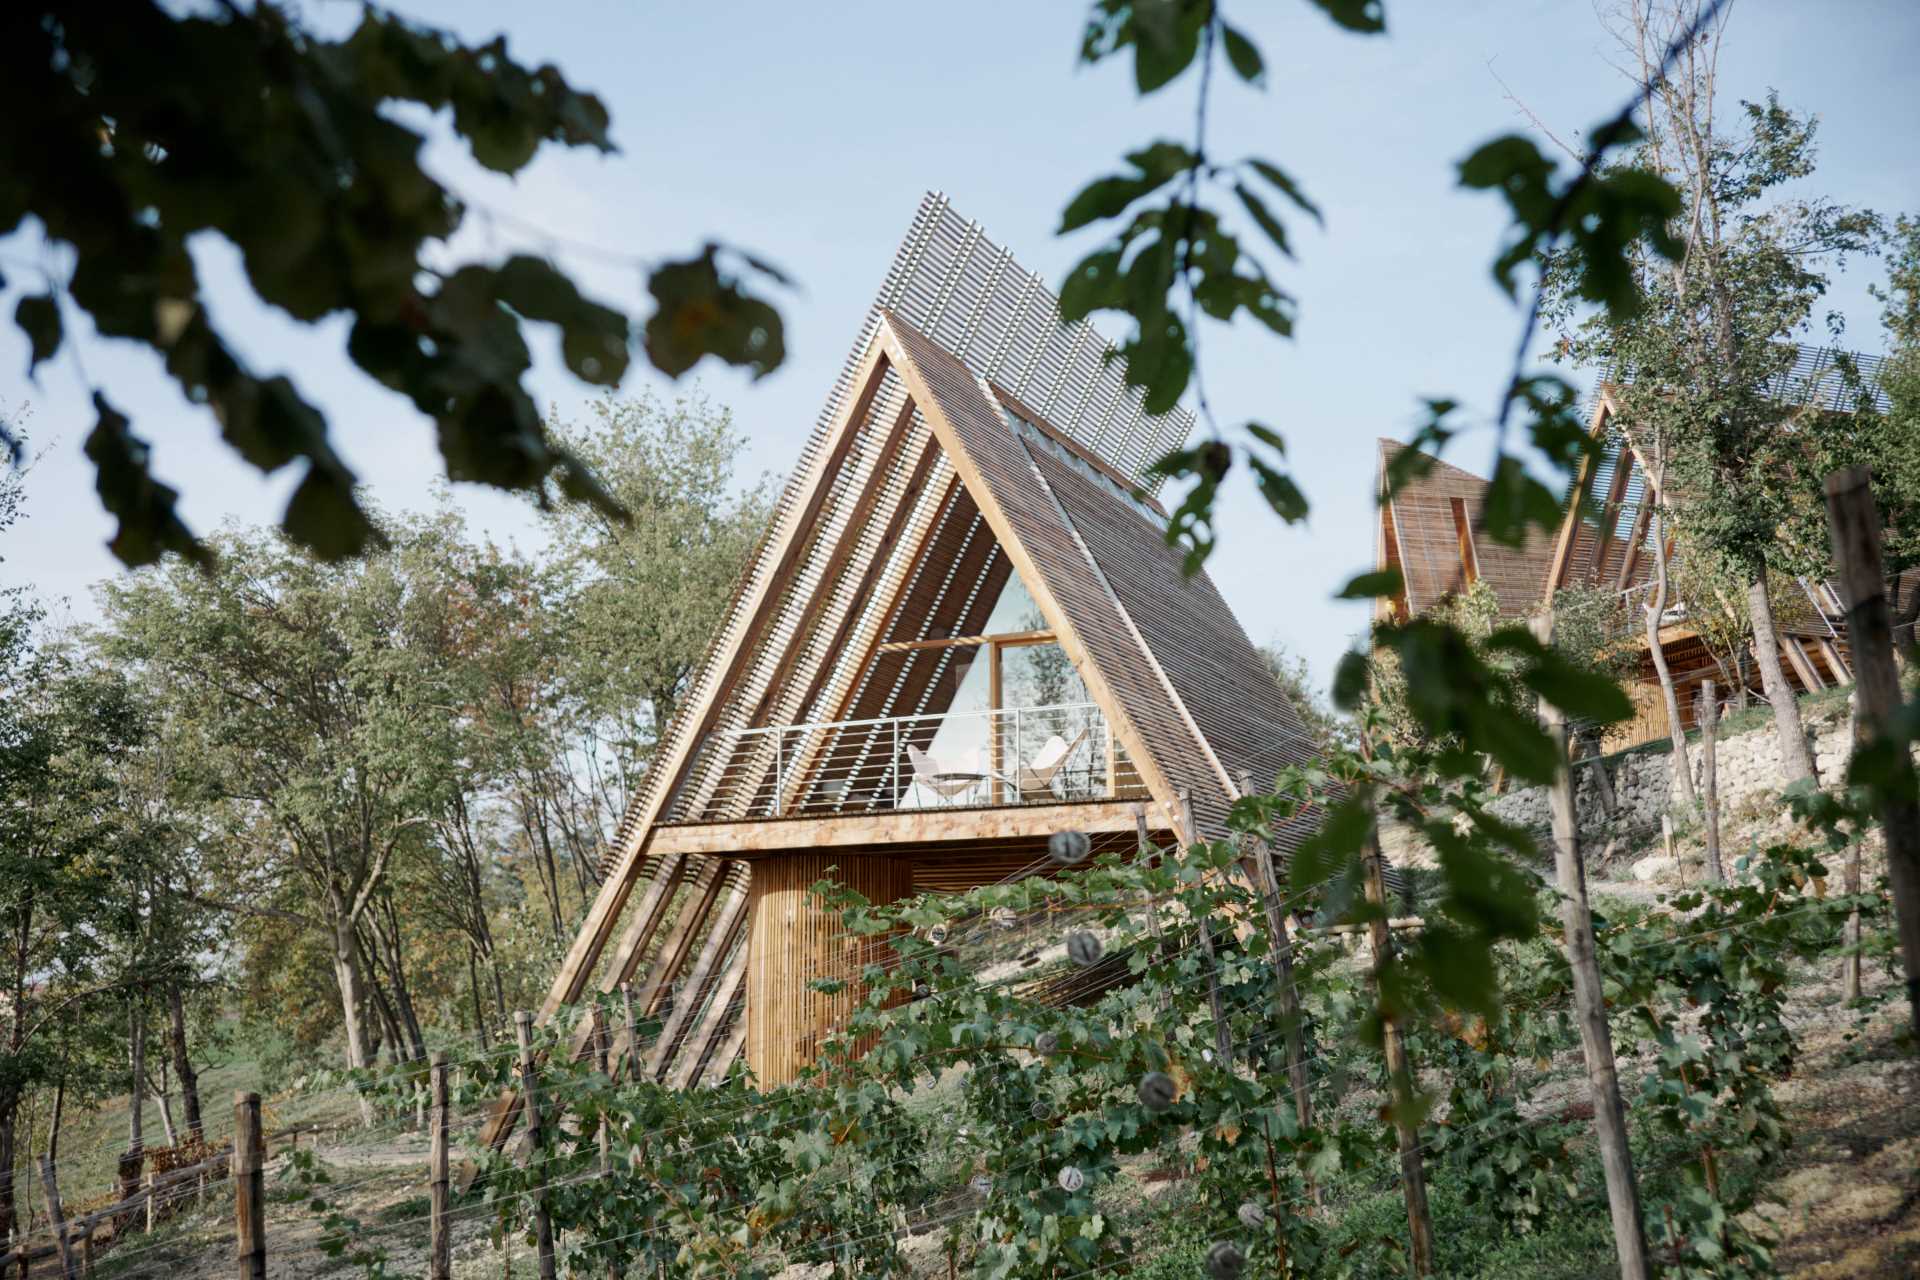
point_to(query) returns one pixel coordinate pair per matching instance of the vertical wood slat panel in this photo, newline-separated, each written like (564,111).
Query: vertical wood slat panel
(792,940)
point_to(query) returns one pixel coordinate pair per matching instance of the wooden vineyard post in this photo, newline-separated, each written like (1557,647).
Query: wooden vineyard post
(1222,1032)
(57,1219)
(1288,1001)
(153,1200)
(633,1032)
(603,1061)
(1413,1174)
(1709,718)
(249,1185)
(1855,525)
(439,1178)
(1589,999)
(1147,851)
(542,1224)
(1850,966)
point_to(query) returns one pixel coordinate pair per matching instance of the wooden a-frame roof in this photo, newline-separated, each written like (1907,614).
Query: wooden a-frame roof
(971,436)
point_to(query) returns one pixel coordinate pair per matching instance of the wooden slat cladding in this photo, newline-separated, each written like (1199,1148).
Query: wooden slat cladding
(1228,691)
(792,941)
(1139,706)
(1428,541)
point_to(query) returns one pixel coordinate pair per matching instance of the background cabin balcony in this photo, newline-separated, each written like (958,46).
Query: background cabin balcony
(1052,754)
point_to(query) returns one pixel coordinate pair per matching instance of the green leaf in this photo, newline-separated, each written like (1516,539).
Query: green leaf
(1517,502)
(1282,494)
(1268,436)
(323,516)
(1243,55)
(1286,186)
(1505,161)
(149,526)
(1350,679)
(703,312)
(39,318)
(1154,166)
(593,338)
(1366,16)
(1372,585)
(1258,211)
(1459,967)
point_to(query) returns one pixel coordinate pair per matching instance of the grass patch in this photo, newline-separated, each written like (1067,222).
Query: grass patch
(1757,715)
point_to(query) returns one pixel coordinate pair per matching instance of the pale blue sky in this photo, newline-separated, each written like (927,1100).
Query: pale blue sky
(807,133)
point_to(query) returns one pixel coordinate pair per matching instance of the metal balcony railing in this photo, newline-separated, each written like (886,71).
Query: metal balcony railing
(1017,755)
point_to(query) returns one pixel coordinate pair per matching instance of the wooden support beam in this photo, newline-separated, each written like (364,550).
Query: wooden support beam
(1610,510)
(838,559)
(1809,678)
(693,1053)
(1835,663)
(895,827)
(722,1058)
(1636,540)
(679,942)
(961,642)
(1570,523)
(687,1000)
(249,1188)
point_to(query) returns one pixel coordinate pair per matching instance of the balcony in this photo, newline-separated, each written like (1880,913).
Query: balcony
(1052,754)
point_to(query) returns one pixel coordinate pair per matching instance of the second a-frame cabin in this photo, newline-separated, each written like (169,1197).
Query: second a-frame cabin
(1428,530)
(962,633)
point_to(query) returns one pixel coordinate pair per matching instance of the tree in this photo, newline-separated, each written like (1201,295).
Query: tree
(1705,364)
(639,600)
(314,710)
(128,131)
(1896,481)
(62,841)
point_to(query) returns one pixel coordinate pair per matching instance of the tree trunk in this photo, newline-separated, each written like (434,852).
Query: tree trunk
(1795,761)
(1681,767)
(164,1096)
(1709,717)
(183,1063)
(1740,694)
(353,1001)
(392,943)
(9,1111)
(1590,1006)
(1413,1174)
(137,1056)
(473,985)
(1856,552)
(59,1113)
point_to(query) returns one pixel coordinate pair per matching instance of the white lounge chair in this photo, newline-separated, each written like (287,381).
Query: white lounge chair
(1036,778)
(937,778)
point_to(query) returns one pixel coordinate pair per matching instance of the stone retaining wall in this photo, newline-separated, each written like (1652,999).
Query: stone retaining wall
(1748,764)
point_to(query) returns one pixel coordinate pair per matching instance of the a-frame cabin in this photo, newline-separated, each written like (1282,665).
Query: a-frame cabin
(1428,531)
(962,633)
